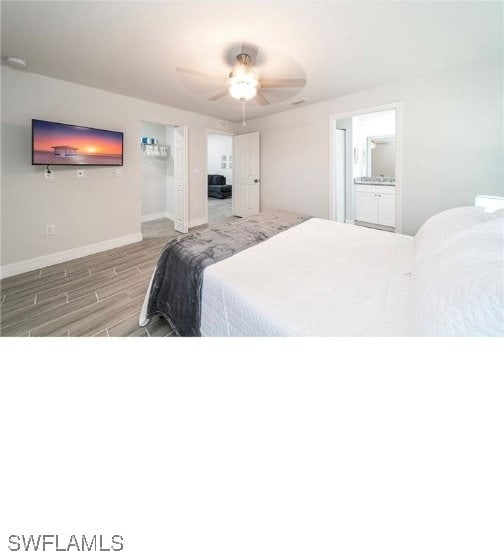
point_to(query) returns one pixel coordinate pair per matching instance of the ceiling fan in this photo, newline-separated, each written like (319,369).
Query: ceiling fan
(243,83)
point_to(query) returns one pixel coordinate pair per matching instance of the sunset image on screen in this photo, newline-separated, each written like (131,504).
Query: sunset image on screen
(63,144)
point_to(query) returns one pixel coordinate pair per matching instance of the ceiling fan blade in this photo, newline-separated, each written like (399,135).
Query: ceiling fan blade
(261,99)
(219,95)
(194,73)
(283,82)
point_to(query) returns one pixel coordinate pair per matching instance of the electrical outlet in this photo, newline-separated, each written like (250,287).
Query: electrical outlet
(50,229)
(118,171)
(80,173)
(49,174)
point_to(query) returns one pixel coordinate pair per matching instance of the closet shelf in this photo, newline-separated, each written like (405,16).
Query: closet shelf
(155,150)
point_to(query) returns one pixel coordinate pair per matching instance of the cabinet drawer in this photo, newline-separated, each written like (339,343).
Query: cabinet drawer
(385,190)
(374,189)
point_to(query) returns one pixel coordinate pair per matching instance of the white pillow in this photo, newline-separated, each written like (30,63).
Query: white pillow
(446,224)
(458,289)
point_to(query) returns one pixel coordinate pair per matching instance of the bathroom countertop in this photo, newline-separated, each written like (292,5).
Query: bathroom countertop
(390,184)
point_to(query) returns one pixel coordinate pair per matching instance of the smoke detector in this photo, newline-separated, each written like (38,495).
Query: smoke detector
(16,62)
(298,101)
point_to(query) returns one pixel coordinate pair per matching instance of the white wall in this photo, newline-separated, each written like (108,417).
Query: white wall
(381,123)
(452,143)
(218,145)
(100,206)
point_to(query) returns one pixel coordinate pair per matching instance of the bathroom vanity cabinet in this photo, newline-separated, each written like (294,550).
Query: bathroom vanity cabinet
(375,204)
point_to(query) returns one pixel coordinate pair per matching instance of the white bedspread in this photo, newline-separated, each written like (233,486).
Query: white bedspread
(320,278)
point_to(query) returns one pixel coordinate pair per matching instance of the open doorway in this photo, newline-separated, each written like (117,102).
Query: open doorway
(157,179)
(366,168)
(163,179)
(219,176)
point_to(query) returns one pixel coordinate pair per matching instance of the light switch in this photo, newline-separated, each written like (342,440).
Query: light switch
(118,171)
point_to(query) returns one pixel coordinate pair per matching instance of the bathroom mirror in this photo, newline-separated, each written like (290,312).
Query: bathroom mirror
(380,156)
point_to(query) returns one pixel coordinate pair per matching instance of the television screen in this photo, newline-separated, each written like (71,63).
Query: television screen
(54,143)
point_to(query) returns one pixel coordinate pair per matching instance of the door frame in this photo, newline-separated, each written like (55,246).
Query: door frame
(207,132)
(397,106)
(185,129)
(340,213)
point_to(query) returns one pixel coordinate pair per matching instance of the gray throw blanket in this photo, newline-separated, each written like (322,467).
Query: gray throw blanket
(176,287)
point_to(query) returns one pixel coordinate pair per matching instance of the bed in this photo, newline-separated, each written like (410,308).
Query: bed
(322,278)
(319,278)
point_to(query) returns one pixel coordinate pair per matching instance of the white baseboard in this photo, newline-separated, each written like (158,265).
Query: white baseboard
(55,258)
(198,222)
(156,216)
(349,221)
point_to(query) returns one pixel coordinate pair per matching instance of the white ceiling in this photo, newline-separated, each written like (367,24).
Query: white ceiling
(132,48)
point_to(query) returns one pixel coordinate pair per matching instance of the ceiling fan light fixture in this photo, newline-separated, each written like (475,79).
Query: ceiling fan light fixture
(243,89)
(243,81)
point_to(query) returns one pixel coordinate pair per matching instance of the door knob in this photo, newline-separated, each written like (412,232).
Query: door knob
(256,181)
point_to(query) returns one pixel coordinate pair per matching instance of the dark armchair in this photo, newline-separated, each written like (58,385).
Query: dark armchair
(217,187)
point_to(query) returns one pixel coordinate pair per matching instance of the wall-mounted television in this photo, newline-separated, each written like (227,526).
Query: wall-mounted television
(54,143)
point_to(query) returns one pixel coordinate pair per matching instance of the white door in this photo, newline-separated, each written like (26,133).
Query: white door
(246,198)
(340,174)
(386,209)
(181,179)
(366,206)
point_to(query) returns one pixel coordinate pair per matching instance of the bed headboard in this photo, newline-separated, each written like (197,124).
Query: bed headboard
(490,203)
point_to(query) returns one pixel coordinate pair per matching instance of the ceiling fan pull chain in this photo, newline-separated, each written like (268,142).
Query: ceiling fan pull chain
(243,111)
